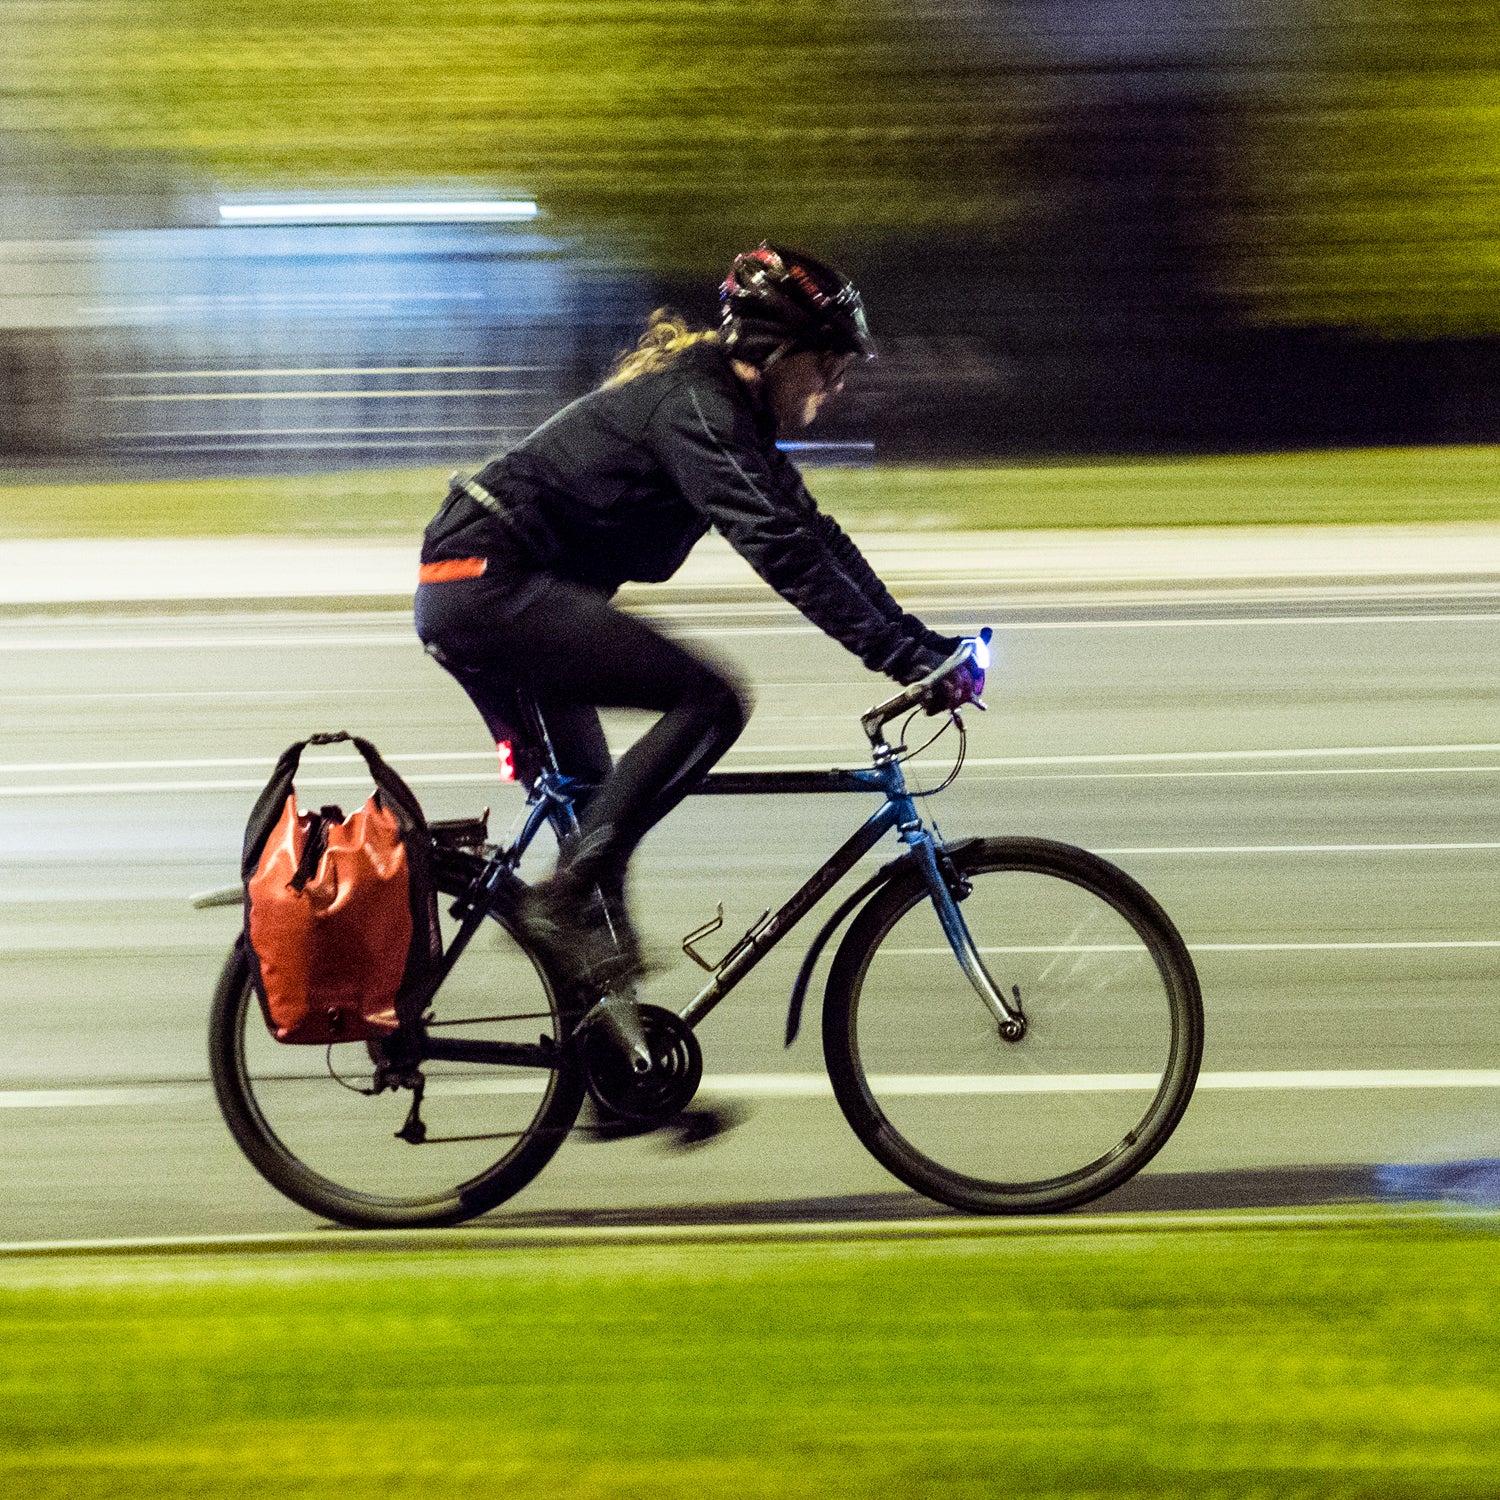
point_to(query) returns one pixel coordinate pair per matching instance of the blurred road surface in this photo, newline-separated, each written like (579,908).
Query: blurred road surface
(1301,772)
(132,570)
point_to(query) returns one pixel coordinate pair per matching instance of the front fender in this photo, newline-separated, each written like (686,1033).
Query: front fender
(883,876)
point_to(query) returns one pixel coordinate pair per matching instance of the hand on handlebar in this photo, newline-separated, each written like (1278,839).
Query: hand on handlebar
(956,681)
(964,682)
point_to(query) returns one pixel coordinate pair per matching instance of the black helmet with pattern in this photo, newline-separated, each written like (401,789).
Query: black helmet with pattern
(776,302)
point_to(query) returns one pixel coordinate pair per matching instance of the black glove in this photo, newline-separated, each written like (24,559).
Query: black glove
(964,684)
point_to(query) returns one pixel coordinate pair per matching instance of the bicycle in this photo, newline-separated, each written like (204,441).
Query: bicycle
(1010,1025)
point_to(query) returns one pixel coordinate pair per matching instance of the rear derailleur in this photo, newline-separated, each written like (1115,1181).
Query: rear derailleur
(397,1073)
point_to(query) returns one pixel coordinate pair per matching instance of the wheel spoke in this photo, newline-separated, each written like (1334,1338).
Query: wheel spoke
(333,1144)
(1083,1100)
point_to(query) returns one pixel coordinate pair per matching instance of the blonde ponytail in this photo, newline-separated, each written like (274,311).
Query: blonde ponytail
(667,335)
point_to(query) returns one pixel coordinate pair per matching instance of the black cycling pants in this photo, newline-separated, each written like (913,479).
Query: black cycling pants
(575,652)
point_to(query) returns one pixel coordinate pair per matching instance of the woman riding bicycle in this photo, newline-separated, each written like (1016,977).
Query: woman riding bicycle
(520,563)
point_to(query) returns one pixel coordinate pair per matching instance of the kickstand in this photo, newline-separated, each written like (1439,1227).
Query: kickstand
(414,1131)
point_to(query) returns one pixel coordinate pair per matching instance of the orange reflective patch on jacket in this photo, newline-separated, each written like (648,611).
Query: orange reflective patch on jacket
(451,571)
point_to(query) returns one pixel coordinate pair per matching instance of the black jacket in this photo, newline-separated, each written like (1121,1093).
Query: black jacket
(621,483)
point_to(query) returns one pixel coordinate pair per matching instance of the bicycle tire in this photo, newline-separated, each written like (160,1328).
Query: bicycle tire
(332,1150)
(1084,1100)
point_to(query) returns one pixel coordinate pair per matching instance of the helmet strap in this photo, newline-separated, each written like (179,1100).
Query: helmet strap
(781,348)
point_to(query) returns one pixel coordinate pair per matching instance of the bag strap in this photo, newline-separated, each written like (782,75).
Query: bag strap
(393,789)
(267,810)
(427,938)
(312,853)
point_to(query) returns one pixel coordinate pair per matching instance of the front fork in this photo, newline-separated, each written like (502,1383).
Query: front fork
(947,887)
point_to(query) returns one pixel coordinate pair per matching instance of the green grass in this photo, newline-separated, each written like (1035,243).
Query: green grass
(1336,1361)
(1365,487)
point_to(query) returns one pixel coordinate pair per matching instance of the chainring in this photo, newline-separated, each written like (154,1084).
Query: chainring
(668,1089)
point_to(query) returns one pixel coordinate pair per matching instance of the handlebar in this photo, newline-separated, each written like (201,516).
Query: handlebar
(915,694)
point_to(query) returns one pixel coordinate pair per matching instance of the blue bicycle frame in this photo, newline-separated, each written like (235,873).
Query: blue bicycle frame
(552,802)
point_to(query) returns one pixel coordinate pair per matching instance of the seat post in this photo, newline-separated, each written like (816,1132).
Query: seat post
(561,813)
(536,727)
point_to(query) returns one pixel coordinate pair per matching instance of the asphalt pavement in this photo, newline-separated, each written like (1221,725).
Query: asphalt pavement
(1297,757)
(53,575)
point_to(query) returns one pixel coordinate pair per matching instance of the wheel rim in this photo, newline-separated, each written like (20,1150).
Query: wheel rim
(1080,1103)
(336,1149)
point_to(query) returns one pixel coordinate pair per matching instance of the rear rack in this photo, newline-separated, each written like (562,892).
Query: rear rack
(461,833)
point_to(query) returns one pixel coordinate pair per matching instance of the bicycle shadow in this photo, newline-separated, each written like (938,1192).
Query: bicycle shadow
(1158,1192)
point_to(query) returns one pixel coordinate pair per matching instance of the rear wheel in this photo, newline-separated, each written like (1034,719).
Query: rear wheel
(299,1113)
(1084,1100)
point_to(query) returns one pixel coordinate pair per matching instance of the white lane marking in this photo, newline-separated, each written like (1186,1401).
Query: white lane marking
(533,1083)
(1088,1083)
(149,788)
(407,639)
(1175,849)
(1400,945)
(809,1085)
(266,432)
(223,762)
(816,1085)
(1158,757)
(178,397)
(267,642)
(340,370)
(1142,757)
(232,695)
(121,788)
(110,789)
(1220,773)
(1356,1078)
(140,1095)
(1425,618)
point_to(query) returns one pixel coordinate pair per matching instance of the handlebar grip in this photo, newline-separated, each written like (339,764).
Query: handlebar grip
(875,719)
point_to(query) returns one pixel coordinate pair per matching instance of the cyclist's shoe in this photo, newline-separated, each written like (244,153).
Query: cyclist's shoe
(601,1123)
(588,939)
(702,1124)
(682,1132)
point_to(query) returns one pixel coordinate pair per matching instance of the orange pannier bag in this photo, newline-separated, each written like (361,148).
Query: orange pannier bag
(340,913)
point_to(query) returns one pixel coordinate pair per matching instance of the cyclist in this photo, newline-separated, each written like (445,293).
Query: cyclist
(520,563)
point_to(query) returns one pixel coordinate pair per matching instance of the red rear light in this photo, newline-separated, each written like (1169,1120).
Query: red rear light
(507,765)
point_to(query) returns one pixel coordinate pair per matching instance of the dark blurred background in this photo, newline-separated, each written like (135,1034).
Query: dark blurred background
(1083,226)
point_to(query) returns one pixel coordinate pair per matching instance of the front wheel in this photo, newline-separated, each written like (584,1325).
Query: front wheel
(1114,1031)
(306,1119)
